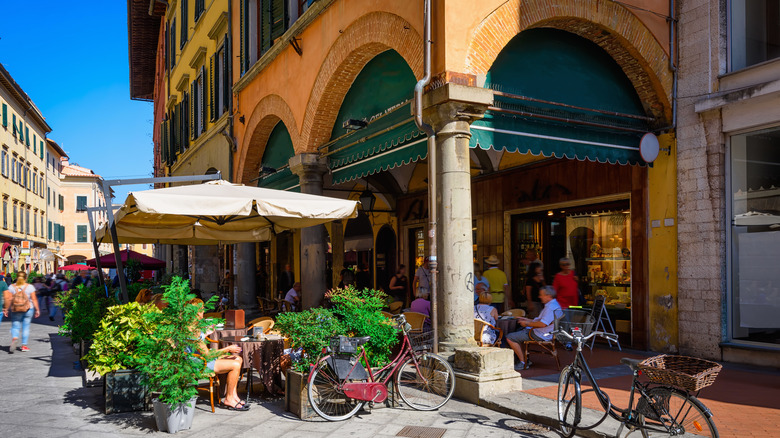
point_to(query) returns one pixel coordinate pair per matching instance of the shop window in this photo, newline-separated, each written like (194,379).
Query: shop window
(81,233)
(81,203)
(754,33)
(755,237)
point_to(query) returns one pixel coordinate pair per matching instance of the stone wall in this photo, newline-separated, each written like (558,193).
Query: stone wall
(701,183)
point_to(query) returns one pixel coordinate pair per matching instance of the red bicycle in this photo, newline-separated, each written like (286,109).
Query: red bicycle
(339,385)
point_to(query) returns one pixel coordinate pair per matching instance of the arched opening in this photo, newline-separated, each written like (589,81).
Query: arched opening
(386,250)
(76,259)
(359,249)
(274,169)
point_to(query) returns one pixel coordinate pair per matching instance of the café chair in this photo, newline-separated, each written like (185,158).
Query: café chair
(213,378)
(517,313)
(480,326)
(395,307)
(266,324)
(544,347)
(388,315)
(268,306)
(416,320)
(256,320)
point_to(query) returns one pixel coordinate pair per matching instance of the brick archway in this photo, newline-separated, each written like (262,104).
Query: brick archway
(610,25)
(365,38)
(268,112)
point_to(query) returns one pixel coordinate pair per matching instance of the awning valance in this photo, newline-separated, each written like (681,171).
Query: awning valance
(573,139)
(388,141)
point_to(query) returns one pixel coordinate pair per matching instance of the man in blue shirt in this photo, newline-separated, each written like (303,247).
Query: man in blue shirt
(537,329)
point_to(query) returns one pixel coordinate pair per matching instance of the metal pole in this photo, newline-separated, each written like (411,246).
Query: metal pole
(95,248)
(120,269)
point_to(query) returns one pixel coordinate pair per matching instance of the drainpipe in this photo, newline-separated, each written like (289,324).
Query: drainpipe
(419,88)
(672,65)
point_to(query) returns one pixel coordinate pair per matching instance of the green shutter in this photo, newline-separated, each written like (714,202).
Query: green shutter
(5,116)
(203,116)
(27,135)
(81,233)
(279,18)
(244,40)
(41,151)
(213,89)
(266,20)
(193,112)
(35,144)
(184,23)
(226,80)
(13,123)
(173,43)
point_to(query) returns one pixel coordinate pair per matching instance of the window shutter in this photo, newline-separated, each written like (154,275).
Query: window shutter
(48,235)
(184,24)
(27,135)
(163,147)
(279,17)
(227,95)
(5,116)
(202,95)
(35,144)
(243,41)
(213,75)
(173,43)
(265,25)
(21,132)
(41,151)
(193,109)
(13,123)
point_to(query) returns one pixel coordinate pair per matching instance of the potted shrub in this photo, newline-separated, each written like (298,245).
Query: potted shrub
(353,313)
(83,308)
(165,357)
(114,355)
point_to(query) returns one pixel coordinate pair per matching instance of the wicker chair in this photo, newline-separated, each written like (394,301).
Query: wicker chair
(480,326)
(388,315)
(395,307)
(213,377)
(266,324)
(517,313)
(544,347)
(416,320)
(256,320)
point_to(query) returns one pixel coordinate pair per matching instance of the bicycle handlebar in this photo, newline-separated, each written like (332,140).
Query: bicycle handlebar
(571,337)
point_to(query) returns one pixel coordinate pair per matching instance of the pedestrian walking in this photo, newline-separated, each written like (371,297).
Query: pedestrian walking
(41,292)
(565,283)
(3,288)
(20,305)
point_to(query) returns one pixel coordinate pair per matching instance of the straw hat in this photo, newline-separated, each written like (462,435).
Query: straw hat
(492,260)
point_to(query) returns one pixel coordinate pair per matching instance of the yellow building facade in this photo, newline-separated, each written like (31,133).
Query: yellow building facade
(23,181)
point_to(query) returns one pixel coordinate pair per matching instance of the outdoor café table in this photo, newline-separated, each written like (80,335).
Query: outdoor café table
(507,324)
(218,334)
(261,354)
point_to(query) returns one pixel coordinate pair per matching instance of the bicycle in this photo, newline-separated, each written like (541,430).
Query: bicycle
(661,409)
(339,385)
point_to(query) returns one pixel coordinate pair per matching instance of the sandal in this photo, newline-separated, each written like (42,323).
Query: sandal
(235,408)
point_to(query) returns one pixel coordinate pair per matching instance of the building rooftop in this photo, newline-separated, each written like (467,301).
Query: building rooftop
(76,170)
(7,81)
(143,30)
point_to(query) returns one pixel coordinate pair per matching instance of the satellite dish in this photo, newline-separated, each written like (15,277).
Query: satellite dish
(649,147)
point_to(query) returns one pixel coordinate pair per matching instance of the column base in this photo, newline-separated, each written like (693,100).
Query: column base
(482,372)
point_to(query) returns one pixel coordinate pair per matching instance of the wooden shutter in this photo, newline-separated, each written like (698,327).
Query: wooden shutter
(163,147)
(5,116)
(27,135)
(266,21)
(194,109)
(213,88)
(13,123)
(279,17)
(41,150)
(184,24)
(244,32)
(227,95)
(173,43)
(186,121)
(203,97)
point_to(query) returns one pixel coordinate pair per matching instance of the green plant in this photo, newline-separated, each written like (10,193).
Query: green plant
(115,343)
(309,330)
(165,355)
(133,270)
(360,312)
(83,308)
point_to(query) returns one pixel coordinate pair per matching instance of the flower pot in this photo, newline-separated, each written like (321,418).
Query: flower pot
(296,398)
(176,419)
(123,391)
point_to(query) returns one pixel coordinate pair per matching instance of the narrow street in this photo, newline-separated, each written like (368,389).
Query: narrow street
(42,396)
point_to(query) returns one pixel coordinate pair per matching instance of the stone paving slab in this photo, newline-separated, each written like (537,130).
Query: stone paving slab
(42,396)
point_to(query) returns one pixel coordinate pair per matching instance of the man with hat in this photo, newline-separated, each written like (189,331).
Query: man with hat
(499,286)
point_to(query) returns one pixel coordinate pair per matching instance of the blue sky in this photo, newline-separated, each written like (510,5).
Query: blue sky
(71,59)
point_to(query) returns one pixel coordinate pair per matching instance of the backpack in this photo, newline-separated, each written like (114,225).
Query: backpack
(20,301)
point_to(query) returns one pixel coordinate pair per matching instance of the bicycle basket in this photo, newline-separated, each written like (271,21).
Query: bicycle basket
(689,373)
(574,318)
(343,345)
(421,341)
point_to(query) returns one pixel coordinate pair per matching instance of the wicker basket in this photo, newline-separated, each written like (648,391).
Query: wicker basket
(421,341)
(684,372)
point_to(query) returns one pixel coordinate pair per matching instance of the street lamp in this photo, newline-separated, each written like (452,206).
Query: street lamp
(367,200)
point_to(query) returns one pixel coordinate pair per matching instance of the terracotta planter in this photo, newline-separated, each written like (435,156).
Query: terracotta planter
(123,391)
(296,399)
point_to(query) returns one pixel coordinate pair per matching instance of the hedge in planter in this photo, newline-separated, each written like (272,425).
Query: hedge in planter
(309,330)
(83,308)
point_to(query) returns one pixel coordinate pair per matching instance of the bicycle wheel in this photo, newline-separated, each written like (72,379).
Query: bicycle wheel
(326,397)
(427,385)
(671,412)
(569,402)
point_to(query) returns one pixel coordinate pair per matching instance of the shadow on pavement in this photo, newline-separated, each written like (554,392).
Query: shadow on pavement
(91,400)
(522,428)
(65,357)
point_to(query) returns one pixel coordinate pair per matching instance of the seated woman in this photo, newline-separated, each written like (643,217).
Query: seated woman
(484,311)
(230,364)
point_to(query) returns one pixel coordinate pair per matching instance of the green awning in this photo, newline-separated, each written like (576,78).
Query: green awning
(573,139)
(388,141)
(283,179)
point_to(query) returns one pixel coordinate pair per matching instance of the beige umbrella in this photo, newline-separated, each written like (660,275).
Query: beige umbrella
(219,211)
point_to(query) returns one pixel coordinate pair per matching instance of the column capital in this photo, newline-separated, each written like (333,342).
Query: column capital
(455,103)
(309,167)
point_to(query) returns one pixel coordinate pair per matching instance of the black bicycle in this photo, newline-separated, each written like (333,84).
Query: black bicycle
(663,406)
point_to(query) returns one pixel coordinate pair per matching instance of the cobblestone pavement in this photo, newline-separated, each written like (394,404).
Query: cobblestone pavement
(41,395)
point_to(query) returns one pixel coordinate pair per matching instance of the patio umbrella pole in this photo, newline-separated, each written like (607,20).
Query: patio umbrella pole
(95,248)
(120,270)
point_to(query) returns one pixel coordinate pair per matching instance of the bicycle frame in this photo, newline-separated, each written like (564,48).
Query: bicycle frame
(629,416)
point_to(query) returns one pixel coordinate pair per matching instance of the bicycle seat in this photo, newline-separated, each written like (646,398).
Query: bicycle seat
(632,363)
(362,340)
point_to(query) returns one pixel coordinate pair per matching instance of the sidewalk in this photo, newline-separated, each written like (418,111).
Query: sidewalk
(41,395)
(744,400)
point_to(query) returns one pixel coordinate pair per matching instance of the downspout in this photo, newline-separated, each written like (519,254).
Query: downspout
(672,64)
(419,88)
(228,131)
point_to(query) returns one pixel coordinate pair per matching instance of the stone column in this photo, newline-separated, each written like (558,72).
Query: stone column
(450,111)
(246,266)
(310,168)
(207,273)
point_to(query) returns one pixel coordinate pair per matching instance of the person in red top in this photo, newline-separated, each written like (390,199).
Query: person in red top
(565,283)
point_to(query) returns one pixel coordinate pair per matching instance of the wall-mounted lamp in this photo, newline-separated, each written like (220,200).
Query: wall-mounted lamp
(354,124)
(367,200)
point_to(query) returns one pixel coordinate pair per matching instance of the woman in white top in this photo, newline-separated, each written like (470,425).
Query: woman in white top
(21,312)
(484,311)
